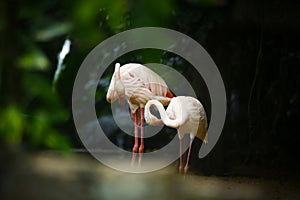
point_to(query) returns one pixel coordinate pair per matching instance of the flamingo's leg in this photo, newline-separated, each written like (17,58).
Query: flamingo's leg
(188,156)
(136,136)
(141,149)
(180,156)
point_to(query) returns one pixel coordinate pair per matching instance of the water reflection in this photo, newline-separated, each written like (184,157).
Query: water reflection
(81,177)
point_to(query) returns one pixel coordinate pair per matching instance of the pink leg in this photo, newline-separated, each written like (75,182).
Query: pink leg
(188,157)
(136,136)
(180,156)
(141,149)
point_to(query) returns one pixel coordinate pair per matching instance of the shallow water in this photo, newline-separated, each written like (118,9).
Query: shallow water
(51,175)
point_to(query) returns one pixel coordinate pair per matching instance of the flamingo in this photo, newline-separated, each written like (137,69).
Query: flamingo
(184,113)
(137,84)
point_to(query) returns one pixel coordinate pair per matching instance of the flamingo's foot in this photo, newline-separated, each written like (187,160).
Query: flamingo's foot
(186,169)
(141,149)
(180,169)
(135,149)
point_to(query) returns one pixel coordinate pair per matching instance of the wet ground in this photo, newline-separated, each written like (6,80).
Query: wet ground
(50,175)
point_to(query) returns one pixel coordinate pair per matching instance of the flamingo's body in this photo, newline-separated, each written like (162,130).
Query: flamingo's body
(186,114)
(138,84)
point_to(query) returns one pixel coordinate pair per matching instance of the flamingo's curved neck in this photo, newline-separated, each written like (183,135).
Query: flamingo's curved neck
(174,123)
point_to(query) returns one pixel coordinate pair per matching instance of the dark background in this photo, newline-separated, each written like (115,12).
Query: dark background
(255,45)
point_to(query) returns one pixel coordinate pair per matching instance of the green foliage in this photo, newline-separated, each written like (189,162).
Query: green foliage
(12,125)
(36,123)
(33,59)
(32,113)
(52,30)
(152,13)
(42,133)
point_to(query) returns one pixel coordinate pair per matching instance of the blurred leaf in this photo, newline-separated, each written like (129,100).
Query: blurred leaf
(41,89)
(38,129)
(11,125)
(116,13)
(86,12)
(42,133)
(151,13)
(207,2)
(34,59)
(85,20)
(55,140)
(52,31)
(48,101)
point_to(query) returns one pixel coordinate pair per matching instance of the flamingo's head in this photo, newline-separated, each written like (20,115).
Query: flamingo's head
(149,117)
(116,88)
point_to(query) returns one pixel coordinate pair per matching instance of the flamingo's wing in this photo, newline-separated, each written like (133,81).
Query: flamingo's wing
(150,80)
(198,114)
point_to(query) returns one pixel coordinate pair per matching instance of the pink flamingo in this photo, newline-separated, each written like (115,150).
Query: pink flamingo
(186,114)
(138,84)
